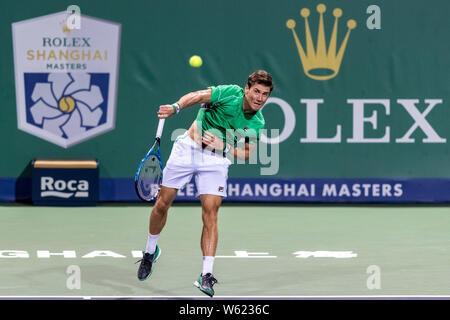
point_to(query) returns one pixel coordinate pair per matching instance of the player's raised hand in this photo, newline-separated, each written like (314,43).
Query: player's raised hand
(165,111)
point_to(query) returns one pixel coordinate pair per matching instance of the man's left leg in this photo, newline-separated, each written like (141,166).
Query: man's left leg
(211,181)
(210,209)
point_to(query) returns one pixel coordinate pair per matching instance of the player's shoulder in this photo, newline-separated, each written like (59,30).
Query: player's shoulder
(230,87)
(223,91)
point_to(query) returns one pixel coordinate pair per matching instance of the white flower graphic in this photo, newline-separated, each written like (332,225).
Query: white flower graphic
(66,104)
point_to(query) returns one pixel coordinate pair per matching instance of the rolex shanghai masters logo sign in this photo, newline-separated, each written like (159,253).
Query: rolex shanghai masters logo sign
(320,62)
(66,79)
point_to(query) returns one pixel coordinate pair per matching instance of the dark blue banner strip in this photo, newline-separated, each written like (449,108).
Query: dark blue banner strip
(274,190)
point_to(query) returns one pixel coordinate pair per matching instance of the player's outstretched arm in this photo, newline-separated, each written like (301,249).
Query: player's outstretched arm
(190,99)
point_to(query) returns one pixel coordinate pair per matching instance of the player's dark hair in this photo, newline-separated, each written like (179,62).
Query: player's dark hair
(260,77)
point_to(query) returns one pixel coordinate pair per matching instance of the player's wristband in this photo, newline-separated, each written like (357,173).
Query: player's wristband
(176,107)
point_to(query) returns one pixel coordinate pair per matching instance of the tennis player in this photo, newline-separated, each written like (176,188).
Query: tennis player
(227,115)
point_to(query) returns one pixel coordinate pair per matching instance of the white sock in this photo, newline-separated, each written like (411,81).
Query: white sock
(208,262)
(151,243)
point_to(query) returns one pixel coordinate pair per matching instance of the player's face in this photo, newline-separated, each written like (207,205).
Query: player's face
(256,96)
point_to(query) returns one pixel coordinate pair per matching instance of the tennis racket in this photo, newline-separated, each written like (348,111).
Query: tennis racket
(148,177)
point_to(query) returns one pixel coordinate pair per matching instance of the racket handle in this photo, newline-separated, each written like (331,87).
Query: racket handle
(160,128)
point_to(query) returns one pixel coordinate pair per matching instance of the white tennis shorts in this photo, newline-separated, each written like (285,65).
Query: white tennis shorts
(187,159)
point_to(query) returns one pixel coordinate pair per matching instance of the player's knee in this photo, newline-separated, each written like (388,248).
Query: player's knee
(162,206)
(210,215)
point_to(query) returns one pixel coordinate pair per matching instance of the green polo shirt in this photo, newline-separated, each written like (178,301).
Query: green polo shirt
(225,116)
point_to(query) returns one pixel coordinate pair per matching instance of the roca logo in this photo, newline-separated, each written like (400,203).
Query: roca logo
(64,189)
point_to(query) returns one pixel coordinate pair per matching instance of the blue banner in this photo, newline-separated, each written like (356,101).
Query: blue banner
(304,190)
(274,190)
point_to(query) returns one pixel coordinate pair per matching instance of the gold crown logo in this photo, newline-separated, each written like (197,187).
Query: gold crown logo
(319,60)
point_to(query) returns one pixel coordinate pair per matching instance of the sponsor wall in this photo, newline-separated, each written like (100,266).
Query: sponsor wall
(360,100)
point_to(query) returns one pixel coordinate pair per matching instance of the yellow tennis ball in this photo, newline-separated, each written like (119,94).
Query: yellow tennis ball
(195,61)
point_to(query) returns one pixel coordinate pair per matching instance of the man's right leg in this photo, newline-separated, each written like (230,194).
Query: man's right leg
(177,173)
(158,215)
(158,219)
